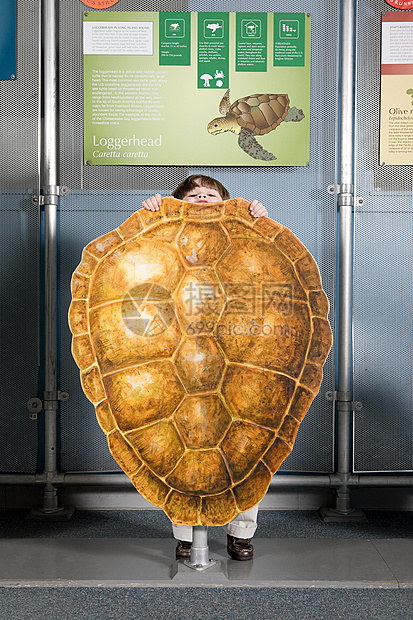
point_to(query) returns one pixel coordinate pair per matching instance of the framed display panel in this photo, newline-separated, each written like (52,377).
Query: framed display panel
(151,76)
(383,253)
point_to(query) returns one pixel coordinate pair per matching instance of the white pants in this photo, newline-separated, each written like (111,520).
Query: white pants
(243,526)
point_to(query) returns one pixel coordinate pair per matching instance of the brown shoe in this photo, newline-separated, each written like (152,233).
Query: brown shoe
(183,550)
(239,548)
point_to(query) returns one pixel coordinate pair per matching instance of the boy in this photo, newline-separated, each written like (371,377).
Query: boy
(199,189)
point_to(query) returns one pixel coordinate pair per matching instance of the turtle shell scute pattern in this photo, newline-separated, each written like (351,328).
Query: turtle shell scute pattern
(200,333)
(260,114)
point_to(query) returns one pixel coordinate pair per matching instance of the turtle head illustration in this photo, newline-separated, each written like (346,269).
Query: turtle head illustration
(251,116)
(226,122)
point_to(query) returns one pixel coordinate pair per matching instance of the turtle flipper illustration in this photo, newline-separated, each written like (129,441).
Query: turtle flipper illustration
(249,145)
(251,116)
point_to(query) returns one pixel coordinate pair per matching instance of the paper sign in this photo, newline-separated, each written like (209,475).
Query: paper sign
(396,118)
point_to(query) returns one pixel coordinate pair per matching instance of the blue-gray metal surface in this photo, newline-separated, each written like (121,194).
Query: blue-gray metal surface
(19,339)
(383,311)
(19,106)
(383,253)
(8,40)
(19,236)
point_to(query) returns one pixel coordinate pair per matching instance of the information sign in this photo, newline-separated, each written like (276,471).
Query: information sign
(403,5)
(215,89)
(396,118)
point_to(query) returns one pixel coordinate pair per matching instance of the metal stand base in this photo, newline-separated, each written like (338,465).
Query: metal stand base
(200,560)
(354,515)
(200,567)
(61,514)
(216,574)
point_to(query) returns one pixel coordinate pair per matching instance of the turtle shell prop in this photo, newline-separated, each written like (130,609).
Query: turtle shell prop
(200,333)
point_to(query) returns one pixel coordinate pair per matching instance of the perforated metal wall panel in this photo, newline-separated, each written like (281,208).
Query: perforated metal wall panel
(383,253)
(19,109)
(104,196)
(19,351)
(19,282)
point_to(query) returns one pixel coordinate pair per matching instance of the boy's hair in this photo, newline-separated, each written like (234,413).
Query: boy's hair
(199,180)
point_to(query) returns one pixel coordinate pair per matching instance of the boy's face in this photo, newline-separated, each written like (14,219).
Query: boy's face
(202,194)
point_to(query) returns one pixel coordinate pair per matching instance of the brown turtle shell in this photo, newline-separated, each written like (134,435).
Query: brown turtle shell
(260,113)
(200,333)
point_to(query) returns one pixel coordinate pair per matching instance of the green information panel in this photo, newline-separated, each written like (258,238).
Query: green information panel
(251,42)
(213,50)
(174,39)
(289,39)
(152,85)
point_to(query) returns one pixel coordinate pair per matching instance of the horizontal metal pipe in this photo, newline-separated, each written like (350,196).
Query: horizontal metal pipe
(387,481)
(279,481)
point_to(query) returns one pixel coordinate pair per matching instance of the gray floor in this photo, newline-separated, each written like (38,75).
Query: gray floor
(119,565)
(292,549)
(321,563)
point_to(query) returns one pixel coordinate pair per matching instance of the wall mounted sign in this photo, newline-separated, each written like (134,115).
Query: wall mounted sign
(401,4)
(396,118)
(8,40)
(222,89)
(99,4)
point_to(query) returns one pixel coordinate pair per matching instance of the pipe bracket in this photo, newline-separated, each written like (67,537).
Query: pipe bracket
(34,405)
(50,195)
(345,194)
(343,401)
(49,403)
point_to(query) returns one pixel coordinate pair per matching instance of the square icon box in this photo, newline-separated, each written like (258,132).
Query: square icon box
(213,29)
(250,29)
(175,28)
(289,29)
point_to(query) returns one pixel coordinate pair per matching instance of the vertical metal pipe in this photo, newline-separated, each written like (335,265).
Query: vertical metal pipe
(200,559)
(49,185)
(199,548)
(50,92)
(345,205)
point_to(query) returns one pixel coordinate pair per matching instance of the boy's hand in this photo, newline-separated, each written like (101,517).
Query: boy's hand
(153,203)
(257,209)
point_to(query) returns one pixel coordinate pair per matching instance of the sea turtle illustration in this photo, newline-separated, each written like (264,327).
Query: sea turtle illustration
(214,27)
(254,115)
(200,333)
